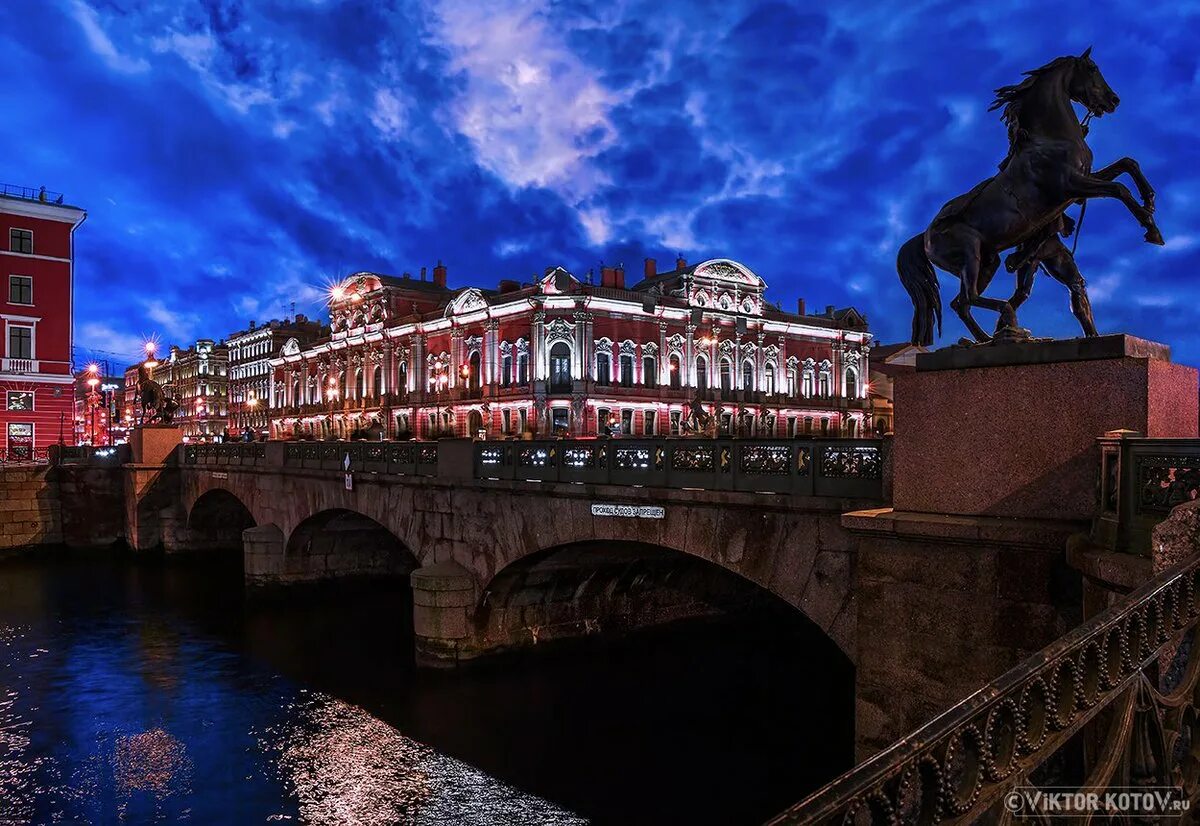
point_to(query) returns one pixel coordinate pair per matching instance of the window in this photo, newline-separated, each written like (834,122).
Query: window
(560,419)
(20,342)
(505,419)
(673,369)
(791,427)
(649,420)
(523,371)
(20,289)
(378,382)
(791,381)
(808,424)
(358,384)
(747,375)
(19,400)
(726,375)
(20,240)
(560,367)
(603,421)
(649,371)
(402,385)
(769,378)
(506,372)
(824,427)
(701,373)
(808,384)
(603,368)
(851,384)
(676,417)
(523,416)
(627,370)
(627,421)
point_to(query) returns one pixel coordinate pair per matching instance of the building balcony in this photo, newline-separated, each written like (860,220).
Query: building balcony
(20,366)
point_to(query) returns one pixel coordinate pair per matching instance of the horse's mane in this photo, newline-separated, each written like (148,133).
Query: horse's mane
(1012,97)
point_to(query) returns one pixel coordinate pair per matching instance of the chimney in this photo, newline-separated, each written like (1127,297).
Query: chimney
(301,318)
(608,276)
(422,273)
(507,285)
(829,310)
(651,268)
(251,324)
(680,263)
(439,274)
(799,306)
(619,277)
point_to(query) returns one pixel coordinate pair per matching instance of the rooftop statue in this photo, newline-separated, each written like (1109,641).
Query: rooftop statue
(1048,168)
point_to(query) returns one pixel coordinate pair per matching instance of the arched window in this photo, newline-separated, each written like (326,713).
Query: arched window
(473,376)
(851,384)
(791,381)
(475,422)
(807,384)
(650,371)
(769,378)
(296,400)
(747,375)
(673,369)
(627,370)
(522,368)
(726,375)
(342,385)
(377,382)
(560,367)
(823,384)
(852,427)
(701,373)
(603,368)
(402,384)
(358,384)
(505,370)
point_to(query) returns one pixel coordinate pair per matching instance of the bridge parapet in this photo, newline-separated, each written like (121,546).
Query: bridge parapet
(963,765)
(843,468)
(1141,480)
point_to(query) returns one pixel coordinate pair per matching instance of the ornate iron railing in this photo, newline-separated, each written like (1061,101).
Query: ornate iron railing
(814,467)
(965,765)
(849,468)
(25,456)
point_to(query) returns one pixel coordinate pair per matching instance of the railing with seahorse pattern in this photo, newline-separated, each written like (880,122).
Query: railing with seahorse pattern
(1130,672)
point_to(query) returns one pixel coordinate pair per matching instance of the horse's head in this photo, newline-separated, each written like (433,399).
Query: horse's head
(1089,88)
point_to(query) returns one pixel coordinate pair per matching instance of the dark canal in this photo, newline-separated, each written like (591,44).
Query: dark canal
(152,691)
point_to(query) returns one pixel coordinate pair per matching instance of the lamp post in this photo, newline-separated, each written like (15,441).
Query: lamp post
(331,395)
(93,400)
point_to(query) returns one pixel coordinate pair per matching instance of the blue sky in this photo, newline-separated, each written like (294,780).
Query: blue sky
(233,156)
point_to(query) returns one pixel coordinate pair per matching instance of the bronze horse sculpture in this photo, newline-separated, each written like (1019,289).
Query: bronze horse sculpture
(154,398)
(1049,167)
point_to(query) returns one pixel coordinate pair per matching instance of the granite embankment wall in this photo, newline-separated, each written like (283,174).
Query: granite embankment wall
(76,506)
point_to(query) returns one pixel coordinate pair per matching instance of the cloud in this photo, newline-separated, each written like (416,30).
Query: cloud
(101,43)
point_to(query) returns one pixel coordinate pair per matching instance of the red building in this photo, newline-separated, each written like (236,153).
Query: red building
(697,349)
(35,314)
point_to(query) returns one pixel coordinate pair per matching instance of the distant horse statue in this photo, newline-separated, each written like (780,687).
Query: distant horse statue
(1048,169)
(700,420)
(154,399)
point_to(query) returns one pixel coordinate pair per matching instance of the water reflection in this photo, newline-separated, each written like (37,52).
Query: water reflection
(152,693)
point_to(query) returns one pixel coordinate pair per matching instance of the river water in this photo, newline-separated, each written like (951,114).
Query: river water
(142,691)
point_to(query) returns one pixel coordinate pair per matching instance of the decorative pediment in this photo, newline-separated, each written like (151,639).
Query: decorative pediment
(771,352)
(522,347)
(560,330)
(468,301)
(726,347)
(628,348)
(852,358)
(604,344)
(291,347)
(505,347)
(473,343)
(558,280)
(675,343)
(826,366)
(728,271)
(649,349)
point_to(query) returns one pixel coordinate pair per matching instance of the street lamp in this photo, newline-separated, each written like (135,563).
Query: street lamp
(93,400)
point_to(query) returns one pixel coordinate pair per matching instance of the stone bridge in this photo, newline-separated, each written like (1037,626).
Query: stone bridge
(510,543)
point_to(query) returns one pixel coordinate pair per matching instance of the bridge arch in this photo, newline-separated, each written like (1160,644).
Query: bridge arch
(339,542)
(594,586)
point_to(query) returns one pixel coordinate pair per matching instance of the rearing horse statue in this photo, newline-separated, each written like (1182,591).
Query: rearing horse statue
(1049,167)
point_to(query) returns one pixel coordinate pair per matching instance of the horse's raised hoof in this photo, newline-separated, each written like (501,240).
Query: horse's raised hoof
(1153,236)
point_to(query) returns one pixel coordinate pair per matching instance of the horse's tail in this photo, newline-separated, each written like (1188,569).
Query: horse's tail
(918,277)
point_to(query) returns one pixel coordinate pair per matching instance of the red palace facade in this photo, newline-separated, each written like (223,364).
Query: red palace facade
(36,384)
(694,350)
